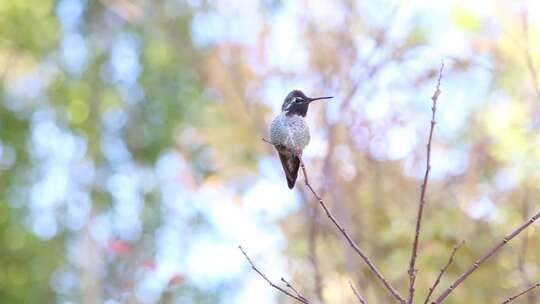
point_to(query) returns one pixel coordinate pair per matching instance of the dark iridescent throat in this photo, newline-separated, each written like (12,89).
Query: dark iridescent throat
(298,109)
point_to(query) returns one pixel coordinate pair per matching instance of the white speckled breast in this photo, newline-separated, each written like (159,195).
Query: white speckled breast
(292,132)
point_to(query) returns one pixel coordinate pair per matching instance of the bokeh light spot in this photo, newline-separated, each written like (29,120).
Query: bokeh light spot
(78,111)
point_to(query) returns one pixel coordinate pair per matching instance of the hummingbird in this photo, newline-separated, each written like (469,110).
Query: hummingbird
(289,132)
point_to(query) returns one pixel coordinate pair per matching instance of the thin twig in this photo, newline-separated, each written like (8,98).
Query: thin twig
(524,247)
(414,254)
(297,297)
(443,270)
(357,294)
(314,228)
(484,258)
(354,246)
(292,288)
(512,298)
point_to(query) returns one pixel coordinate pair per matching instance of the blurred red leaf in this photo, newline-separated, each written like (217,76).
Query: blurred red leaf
(177,279)
(119,247)
(150,264)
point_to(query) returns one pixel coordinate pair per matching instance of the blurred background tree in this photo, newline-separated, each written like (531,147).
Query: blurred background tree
(131,163)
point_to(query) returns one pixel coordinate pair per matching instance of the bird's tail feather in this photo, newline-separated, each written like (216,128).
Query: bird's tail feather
(290,164)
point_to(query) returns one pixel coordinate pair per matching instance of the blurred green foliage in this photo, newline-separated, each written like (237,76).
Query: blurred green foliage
(30,40)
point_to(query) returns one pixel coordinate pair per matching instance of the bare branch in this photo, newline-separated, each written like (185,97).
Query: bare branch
(512,298)
(524,248)
(414,254)
(443,270)
(484,258)
(293,289)
(314,228)
(354,246)
(297,297)
(357,294)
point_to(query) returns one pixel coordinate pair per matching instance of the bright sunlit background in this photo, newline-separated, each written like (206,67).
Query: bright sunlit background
(131,165)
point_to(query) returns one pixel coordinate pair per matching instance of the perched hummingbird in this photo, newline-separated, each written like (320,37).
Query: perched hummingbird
(289,132)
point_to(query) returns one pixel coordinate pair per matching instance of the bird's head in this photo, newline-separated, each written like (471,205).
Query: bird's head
(297,103)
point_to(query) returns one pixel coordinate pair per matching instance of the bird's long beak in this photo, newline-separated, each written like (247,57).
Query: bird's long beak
(319,98)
